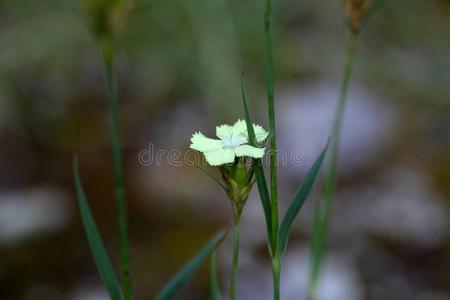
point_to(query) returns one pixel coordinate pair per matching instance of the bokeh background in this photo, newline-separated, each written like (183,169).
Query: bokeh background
(179,65)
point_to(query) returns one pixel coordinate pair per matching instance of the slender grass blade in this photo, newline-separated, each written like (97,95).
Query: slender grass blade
(98,251)
(316,245)
(215,287)
(259,171)
(297,202)
(185,273)
(217,180)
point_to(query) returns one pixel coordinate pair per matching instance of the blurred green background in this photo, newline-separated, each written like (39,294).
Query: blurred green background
(180,64)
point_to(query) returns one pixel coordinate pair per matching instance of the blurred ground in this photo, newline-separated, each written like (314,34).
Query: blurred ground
(179,72)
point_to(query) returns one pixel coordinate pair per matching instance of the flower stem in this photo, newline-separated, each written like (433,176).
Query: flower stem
(118,173)
(272,132)
(276,265)
(276,273)
(322,214)
(214,280)
(235,262)
(330,182)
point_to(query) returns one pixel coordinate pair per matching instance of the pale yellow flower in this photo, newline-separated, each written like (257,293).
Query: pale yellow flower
(233,142)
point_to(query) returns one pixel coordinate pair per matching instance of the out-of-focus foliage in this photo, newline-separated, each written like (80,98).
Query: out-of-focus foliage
(179,65)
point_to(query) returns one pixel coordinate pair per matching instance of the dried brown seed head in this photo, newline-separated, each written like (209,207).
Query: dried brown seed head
(356,10)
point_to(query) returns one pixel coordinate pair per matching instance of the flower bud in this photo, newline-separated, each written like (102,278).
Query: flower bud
(238,179)
(356,10)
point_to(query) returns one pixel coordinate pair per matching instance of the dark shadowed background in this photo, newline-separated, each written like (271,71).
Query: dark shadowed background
(179,70)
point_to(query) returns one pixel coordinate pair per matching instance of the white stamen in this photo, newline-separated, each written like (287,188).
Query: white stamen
(233,141)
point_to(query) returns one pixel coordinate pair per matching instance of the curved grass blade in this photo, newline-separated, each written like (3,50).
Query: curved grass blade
(215,288)
(98,251)
(316,246)
(297,203)
(217,180)
(259,171)
(185,273)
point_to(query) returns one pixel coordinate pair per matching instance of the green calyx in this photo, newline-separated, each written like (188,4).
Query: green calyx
(238,179)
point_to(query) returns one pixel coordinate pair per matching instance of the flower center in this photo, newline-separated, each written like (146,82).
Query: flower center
(232,141)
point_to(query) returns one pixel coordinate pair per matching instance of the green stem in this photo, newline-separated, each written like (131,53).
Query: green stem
(312,291)
(276,266)
(235,262)
(118,173)
(214,281)
(316,249)
(272,132)
(330,181)
(276,274)
(323,214)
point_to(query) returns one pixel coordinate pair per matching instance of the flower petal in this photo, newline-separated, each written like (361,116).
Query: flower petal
(202,143)
(250,151)
(240,128)
(219,157)
(260,133)
(224,131)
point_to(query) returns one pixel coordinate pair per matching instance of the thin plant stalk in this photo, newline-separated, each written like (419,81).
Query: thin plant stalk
(235,261)
(214,280)
(271,110)
(276,274)
(118,172)
(322,214)
(276,265)
(330,181)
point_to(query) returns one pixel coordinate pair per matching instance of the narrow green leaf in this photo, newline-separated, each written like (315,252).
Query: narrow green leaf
(215,287)
(316,244)
(98,251)
(259,171)
(184,274)
(297,203)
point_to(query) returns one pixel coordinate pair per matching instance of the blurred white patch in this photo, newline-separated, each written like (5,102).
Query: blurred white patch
(339,278)
(43,291)
(306,116)
(89,293)
(409,209)
(402,205)
(35,211)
